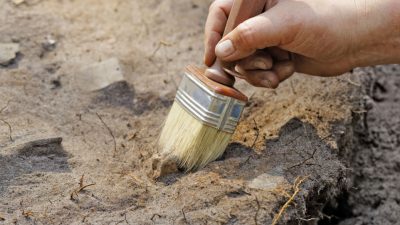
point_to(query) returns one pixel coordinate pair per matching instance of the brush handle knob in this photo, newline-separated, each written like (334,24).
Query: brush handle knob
(215,86)
(241,11)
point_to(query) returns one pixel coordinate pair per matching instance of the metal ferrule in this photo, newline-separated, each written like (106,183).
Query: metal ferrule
(213,109)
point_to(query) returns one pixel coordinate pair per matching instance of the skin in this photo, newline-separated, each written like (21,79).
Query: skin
(316,37)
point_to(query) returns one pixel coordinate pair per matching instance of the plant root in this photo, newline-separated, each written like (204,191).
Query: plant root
(296,188)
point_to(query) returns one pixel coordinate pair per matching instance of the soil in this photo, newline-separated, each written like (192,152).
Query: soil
(374,197)
(73,156)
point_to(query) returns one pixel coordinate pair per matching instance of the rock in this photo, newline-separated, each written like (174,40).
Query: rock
(18,2)
(99,75)
(8,52)
(49,43)
(267,181)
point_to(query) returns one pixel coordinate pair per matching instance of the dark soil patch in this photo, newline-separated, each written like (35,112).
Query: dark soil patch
(374,196)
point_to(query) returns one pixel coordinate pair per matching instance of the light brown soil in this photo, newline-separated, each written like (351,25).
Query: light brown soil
(300,129)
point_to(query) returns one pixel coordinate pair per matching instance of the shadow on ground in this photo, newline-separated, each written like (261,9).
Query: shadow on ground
(46,155)
(121,94)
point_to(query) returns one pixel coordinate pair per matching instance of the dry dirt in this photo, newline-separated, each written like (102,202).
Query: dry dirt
(56,138)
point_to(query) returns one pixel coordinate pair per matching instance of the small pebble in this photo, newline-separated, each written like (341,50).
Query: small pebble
(50,43)
(18,2)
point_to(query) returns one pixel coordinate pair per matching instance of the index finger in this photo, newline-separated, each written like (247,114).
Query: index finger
(214,28)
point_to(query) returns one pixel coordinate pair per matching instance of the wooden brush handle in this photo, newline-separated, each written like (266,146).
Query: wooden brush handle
(241,10)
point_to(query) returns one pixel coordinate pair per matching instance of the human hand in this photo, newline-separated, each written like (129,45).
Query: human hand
(324,38)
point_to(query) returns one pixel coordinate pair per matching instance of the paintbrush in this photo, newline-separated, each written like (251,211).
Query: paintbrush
(205,113)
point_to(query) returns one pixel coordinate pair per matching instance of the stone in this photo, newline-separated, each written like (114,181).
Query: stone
(49,43)
(18,2)
(8,52)
(99,75)
(268,181)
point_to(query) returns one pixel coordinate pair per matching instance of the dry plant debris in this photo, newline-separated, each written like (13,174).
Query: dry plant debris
(81,188)
(160,44)
(5,122)
(27,213)
(111,133)
(296,188)
(258,210)
(9,129)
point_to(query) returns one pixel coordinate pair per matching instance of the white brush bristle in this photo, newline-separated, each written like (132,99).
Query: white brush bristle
(193,143)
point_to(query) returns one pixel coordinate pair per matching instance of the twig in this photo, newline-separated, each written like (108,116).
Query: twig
(83,187)
(361,111)
(353,83)
(155,51)
(81,181)
(245,161)
(304,161)
(254,142)
(5,107)
(184,216)
(126,220)
(307,220)
(258,210)
(154,215)
(121,221)
(292,87)
(310,156)
(111,133)
(296,187)
(80,189)
(293,140)
(9,129)
(160,44)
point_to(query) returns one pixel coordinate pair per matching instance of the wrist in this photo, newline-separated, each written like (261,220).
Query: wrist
(378,30)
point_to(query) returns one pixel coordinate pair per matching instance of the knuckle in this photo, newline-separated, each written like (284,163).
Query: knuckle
(214,5)
(274,85)
(273,80)
(245,35)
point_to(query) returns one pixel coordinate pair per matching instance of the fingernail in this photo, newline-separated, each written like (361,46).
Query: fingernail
(266,83)
(224,48)
(259,64)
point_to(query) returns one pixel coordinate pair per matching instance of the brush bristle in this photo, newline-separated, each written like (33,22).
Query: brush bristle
(191,142)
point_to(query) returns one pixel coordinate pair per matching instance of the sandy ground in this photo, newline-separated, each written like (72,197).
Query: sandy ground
(64,137)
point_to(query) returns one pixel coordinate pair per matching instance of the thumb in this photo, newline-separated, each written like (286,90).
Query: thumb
(265,30)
